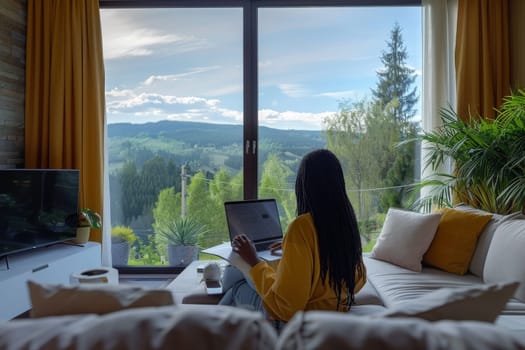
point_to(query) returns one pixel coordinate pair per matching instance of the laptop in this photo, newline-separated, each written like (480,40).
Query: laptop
(258,219)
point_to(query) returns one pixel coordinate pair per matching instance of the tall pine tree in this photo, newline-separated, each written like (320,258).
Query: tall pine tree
(396,79)
(395,87)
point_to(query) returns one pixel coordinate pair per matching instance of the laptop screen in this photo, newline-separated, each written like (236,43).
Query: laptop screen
(258,219)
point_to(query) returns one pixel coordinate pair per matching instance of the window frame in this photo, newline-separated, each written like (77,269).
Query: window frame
(250,69)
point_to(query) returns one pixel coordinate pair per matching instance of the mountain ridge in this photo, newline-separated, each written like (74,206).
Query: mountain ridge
(209,133)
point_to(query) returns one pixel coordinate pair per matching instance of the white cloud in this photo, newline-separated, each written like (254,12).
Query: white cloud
(174,77)
(350,94)
(119,93)
(121,38)
(139,42)
(293,90)
(231,114)
(292,119)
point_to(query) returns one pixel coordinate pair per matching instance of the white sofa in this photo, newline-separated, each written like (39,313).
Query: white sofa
(373,323)
(499,257)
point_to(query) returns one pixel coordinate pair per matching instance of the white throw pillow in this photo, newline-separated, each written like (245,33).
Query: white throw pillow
(405,237)
(58,300)
(474,303)
(505,260)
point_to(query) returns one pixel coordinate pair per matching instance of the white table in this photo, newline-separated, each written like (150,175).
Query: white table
(188,287)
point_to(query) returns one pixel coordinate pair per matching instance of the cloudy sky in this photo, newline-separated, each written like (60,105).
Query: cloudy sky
(186,64)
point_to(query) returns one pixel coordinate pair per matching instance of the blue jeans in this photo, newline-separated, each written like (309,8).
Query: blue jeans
(241,292)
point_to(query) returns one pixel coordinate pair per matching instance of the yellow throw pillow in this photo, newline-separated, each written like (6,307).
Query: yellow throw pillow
(455,240)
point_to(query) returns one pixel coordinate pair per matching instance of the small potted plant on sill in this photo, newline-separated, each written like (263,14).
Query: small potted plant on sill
(87,219)
(180,237)
(122,237)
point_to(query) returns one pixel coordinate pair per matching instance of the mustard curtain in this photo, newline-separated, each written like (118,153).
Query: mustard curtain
(64,106)
(482,57)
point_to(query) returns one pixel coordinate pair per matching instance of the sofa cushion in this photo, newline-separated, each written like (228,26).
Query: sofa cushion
(475,303)
(455,240)
(505,260)
(168,327)
(477,262)
(322,330)
(482,246)
(405,237)
(55,300)
(396,285)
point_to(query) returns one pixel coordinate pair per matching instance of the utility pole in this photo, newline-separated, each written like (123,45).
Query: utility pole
(183,190)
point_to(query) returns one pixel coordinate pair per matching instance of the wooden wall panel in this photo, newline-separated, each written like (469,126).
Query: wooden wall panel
(12,82)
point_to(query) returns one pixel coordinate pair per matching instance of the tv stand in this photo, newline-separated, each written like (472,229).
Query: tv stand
(52,264)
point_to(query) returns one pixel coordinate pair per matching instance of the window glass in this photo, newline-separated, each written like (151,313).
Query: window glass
(345,78)
(174,112)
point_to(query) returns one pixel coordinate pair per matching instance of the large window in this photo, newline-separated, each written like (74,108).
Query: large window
(208,104)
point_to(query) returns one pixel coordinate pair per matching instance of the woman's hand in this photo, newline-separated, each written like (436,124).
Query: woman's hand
(276,248)
(242,245)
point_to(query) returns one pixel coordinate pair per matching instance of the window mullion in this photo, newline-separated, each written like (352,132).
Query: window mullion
(250,79)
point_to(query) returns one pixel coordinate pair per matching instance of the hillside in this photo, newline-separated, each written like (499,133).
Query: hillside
(204,134)
(207,146)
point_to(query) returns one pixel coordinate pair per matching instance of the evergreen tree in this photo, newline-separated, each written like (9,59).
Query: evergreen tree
(129,181)
(395,87)
(396,79)
(154,177)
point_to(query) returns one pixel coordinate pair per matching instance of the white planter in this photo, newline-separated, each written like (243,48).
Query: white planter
(82,234)
(182,255)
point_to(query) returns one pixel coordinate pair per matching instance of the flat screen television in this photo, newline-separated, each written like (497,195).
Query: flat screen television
(38,207)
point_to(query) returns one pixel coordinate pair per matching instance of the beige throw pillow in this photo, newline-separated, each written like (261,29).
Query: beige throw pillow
(405,237)
(57,300)
(475,303)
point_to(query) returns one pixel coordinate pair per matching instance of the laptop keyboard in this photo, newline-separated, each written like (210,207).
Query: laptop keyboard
(262,246)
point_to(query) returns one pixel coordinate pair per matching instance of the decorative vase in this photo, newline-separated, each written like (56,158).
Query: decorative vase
(182,255)
(82,234)
(120,253)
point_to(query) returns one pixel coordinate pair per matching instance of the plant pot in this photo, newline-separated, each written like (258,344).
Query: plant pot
(120,253)
(82,234)
(182,255)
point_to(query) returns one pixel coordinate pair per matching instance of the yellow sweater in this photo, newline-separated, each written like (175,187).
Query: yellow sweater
(294,283)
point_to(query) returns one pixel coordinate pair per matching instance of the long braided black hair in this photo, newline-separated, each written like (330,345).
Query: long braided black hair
(320,190)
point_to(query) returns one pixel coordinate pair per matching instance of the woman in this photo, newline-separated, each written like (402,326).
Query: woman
(321,265)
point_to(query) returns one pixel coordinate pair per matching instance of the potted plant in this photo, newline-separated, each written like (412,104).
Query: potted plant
(489,160)
(87,219)
(181,236)
(122,237)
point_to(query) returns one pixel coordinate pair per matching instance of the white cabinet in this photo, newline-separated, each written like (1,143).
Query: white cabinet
(53,264)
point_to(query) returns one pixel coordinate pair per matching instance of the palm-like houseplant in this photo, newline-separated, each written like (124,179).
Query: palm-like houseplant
(489,160)
(181,236)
